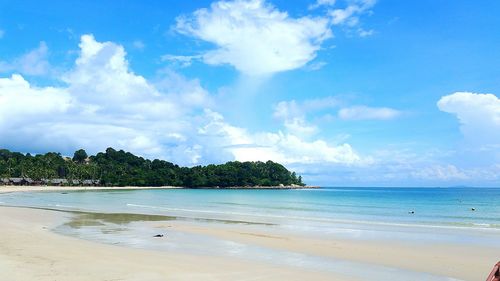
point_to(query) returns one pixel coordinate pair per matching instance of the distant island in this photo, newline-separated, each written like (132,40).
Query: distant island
(119,168)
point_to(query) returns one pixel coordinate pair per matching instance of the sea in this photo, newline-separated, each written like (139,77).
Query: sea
(432,207)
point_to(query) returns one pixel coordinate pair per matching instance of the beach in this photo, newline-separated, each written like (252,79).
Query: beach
(38,188)
(35,247)
(49,188)
(30,251)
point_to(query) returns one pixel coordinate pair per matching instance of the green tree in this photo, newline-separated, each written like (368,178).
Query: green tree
(80,156)
(120,168)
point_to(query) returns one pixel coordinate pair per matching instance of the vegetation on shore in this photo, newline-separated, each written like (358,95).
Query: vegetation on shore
(120,168)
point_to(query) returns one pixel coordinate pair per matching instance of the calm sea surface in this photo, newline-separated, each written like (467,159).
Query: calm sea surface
(439,207)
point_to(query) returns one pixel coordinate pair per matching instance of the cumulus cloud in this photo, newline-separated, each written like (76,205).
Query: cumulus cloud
(286,148)
(103,103)
(368,113)
(255,37)
(34,62)
(478,114)
(20,102)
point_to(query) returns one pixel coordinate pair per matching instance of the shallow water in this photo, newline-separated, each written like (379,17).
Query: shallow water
(437,207)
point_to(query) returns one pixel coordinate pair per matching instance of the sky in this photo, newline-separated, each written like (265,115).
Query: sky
(344,92)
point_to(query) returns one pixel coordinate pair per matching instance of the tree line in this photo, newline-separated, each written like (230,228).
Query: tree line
(120,168)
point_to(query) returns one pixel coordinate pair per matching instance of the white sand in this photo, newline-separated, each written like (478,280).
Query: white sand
(10,188)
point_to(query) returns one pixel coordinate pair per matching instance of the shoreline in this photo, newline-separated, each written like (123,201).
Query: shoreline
(36,188)
(32,188)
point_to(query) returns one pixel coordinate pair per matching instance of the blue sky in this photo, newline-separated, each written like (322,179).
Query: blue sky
(346,92)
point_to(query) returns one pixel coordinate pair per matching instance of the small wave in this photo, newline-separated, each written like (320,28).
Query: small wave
(483,224)
(439,225)
(62,206)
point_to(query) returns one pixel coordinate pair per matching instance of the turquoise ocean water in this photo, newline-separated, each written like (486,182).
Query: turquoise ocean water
(438,207)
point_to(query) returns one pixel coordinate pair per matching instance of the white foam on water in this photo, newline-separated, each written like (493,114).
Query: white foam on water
(487,227)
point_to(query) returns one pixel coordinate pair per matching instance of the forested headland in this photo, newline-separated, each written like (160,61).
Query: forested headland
(120,168)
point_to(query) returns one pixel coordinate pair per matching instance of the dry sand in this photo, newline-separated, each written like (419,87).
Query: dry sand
(10,188)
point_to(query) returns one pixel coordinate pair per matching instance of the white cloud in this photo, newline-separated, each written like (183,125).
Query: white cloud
(299,126)
(350,14)
(288,109)
(321,3)
(188,91)
(34,62)
(440,172)
(315,66)
(367,113)
(406,166)
(365,33)
(478,114)
(340,16)
(294,114)
(182,61)
(20,102)
(452,173)
(254,36)
(105,104)
(293,109)
(285,148)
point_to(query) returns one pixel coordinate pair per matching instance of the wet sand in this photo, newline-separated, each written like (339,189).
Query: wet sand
(460,261)
(30,251)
